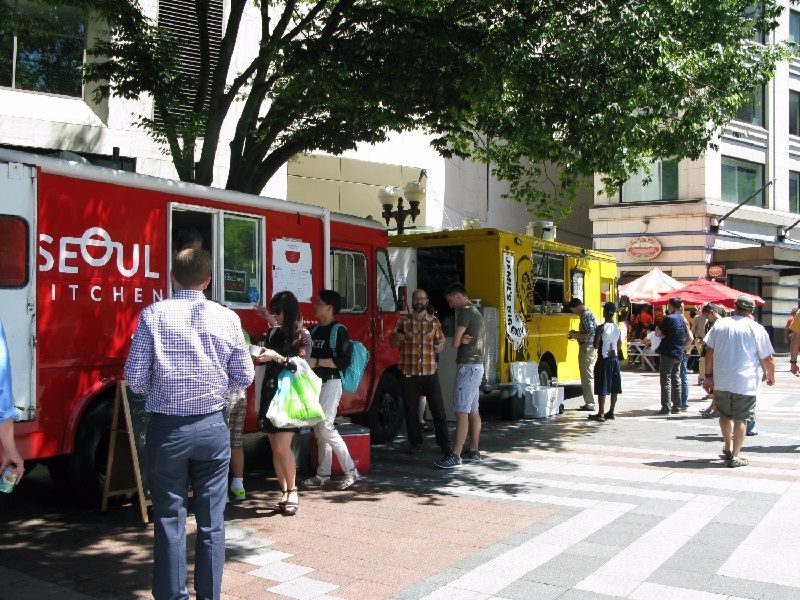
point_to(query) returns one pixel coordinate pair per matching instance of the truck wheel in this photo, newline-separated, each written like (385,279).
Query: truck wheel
(87,466)
(385,415)
(545,373)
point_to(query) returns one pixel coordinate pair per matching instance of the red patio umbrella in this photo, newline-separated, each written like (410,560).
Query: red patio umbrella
(702,290)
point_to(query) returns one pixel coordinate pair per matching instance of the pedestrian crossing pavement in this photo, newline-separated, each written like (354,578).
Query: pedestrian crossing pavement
(715,533)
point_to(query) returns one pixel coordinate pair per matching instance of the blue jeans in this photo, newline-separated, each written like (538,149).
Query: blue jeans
(684,374)
(183,451)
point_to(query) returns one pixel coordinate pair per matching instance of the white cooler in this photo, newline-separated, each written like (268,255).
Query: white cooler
(543,402)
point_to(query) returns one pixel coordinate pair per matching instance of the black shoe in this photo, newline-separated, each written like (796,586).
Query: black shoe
(451,461)
(675,410)
(589,407)
(684,408)
(609,416)
(471,456)
(425,427)
(663,411)
(415,449)
(598,418)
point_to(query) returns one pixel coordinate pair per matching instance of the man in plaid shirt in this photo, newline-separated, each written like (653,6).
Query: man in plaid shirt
(187,355)
(420,338)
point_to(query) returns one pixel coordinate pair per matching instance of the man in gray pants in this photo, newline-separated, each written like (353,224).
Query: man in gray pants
(673,327)
(187,355)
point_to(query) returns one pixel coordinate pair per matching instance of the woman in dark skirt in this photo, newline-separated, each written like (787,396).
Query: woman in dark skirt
(286,338)
(607,379)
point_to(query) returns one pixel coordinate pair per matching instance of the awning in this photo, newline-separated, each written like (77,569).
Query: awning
(784,259)
(649,286)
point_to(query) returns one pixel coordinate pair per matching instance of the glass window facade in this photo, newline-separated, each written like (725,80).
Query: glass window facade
(794,192)
(663,184)
(740,179)
(794,26)
(752,111)
(42,48)
(794,112)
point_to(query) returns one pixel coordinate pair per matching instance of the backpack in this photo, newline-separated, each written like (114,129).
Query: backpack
(353,374)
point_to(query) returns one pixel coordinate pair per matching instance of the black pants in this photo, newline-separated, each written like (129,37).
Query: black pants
(428,386)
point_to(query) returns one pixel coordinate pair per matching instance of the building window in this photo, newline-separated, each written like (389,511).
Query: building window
(752,111)
(180,18)
(740,179)
(794,112)
(794,192)
(663,184)
(753,12)
(794,26)
(42,48)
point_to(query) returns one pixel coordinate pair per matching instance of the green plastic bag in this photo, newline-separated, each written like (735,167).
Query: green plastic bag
(296,401)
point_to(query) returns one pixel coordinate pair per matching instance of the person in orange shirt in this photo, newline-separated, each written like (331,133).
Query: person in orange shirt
(795,346)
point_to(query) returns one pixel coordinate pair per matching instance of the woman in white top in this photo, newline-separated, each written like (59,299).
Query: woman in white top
(607,378)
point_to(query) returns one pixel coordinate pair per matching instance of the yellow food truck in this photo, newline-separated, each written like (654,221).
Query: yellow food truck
(522,285)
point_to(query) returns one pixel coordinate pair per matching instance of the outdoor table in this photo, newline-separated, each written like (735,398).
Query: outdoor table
(638,350)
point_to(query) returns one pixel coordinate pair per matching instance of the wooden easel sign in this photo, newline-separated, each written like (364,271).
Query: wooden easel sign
(126,473)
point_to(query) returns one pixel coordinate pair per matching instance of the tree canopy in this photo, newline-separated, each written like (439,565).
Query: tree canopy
(585,86)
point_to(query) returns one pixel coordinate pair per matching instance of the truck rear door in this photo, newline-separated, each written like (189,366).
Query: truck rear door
(18,278)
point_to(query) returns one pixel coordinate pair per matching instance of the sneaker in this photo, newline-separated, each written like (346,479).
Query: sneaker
(451,461)
(609,416)
(238,494)
(471,456)
(684,408)
(663,411)
(598,418)
(586,407)
(316,481)
(675,410)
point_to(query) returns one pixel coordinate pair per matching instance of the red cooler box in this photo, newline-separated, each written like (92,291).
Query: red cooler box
(356,438)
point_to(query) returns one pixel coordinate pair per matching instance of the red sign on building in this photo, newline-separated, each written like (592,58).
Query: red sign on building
(644,247)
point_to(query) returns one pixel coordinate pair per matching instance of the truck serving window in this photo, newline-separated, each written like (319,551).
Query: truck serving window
(549,276)
(349,278)
(242,260)
(387,301)
(14,257)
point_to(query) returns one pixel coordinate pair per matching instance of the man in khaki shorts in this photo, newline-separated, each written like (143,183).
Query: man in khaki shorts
(738,354)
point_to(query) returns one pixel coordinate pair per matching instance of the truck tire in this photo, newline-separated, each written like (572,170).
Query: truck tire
(385,415)
(87,465)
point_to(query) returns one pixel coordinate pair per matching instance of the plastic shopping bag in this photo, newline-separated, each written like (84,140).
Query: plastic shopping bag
(296,401)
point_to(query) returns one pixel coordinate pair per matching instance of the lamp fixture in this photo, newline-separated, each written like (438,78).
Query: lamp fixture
(393,204)
(783,231)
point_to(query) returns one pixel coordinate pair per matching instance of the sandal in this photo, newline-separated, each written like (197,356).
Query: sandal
(728,454)
(348,480)
(290,508)
(738,462)
(278,506)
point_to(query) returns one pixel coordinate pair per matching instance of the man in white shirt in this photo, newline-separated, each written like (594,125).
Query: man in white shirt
(738,354)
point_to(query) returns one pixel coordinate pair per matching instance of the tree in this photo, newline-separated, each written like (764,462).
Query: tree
(587,86)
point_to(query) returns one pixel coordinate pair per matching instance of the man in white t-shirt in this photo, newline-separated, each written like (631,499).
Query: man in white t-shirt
(738,354)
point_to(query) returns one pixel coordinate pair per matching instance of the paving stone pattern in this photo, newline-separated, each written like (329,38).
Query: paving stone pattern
(641,507)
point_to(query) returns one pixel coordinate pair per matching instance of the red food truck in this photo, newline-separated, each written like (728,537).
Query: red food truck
(83,249)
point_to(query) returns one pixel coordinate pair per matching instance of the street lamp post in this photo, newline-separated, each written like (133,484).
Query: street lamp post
(392,202)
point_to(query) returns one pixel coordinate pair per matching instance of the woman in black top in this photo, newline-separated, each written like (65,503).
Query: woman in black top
(287,338)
